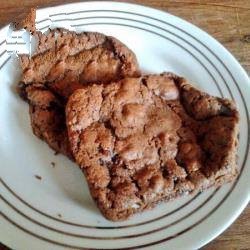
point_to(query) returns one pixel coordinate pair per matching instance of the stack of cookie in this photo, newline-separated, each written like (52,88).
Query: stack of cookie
(139,139)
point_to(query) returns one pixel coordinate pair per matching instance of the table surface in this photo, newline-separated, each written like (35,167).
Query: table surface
(226,20)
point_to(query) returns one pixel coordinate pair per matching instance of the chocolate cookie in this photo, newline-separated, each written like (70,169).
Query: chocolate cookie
(63,62)
(152,138)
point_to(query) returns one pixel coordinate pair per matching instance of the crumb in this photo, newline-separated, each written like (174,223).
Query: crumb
(38,177)
(26,21)
(59,215)
(53,164)
(56,153)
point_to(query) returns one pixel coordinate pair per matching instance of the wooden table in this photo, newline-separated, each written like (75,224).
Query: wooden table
(226,20)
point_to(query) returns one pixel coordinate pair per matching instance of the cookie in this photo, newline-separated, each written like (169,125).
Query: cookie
(146,139)
(63,62)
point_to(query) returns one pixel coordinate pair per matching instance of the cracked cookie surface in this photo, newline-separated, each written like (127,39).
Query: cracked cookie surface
(152,138)
(63,62)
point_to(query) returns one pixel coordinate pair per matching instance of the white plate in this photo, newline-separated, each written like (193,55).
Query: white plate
(57,211)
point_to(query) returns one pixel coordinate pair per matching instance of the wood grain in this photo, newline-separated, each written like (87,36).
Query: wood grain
(226,20)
